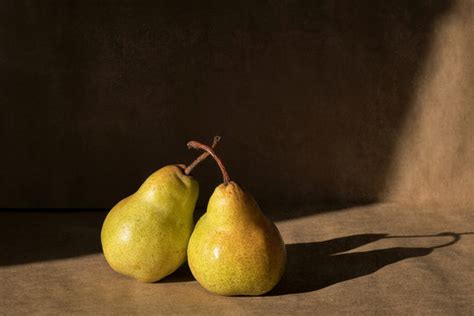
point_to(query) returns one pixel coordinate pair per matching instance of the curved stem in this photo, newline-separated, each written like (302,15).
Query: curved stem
(197,145)
(201,158)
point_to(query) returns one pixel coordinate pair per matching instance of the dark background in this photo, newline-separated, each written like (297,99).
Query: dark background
(311,97)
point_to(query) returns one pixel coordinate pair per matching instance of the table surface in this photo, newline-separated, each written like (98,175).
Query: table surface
(374,259)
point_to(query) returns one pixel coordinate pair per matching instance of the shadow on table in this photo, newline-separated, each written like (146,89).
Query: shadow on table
(316,265)
(183,274)
(32,236)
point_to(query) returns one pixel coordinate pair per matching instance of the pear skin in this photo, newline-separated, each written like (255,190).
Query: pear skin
(145,236)
(234,249)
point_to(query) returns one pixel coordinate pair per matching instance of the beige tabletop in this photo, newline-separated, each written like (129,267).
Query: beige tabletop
(375,259)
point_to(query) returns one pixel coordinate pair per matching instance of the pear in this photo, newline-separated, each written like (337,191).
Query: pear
(234,249)
(145,235)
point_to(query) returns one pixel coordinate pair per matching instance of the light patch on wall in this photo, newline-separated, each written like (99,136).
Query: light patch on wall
(433,161)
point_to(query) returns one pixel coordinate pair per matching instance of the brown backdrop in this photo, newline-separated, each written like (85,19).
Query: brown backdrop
(316,100)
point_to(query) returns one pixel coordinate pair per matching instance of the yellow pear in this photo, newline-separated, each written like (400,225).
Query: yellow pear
(234,249)
(145,235)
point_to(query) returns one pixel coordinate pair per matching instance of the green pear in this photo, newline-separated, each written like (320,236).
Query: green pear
(146,235)
(234,249)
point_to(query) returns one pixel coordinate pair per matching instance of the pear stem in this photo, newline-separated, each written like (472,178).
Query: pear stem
(197,145)
(201,158)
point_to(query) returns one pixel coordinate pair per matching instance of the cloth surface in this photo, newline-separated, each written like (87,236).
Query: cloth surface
(388,259)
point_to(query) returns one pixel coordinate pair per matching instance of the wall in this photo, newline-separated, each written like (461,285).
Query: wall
(316,101)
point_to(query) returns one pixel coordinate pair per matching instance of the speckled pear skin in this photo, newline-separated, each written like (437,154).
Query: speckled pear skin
(145,235)
(234,248)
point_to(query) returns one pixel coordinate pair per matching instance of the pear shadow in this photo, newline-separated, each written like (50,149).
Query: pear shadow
(31,236)
(316,265)
(183,274)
